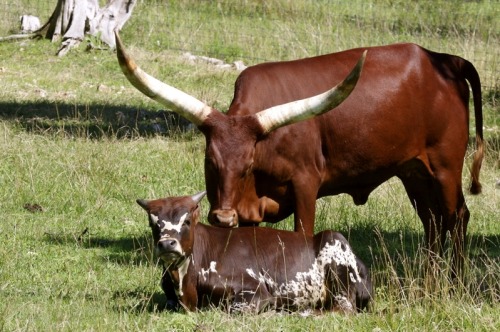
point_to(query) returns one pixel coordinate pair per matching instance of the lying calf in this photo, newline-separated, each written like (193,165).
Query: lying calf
(252,268)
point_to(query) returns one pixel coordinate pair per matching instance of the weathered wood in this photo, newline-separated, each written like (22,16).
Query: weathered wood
(73,19)
(112,16)
(29,23)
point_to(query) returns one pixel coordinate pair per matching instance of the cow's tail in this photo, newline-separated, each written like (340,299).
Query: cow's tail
(471,75)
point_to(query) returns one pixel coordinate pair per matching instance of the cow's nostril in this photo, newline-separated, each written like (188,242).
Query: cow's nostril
(167,244)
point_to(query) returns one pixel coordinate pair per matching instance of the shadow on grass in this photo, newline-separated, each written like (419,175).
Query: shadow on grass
(143,301)
(119,121)
(126,251)
(93,121)
(367,243)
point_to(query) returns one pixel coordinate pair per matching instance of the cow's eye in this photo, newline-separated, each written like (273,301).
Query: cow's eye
(210,165)
(187,223)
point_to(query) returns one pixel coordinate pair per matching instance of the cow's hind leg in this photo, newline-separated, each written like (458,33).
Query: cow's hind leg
(440,204)
(456,217)
(422,194)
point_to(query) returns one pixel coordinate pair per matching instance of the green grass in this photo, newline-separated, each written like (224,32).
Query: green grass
(85,262)
(77,140)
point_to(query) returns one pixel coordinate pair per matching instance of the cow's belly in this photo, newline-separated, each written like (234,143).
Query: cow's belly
(360,184)
(359,188)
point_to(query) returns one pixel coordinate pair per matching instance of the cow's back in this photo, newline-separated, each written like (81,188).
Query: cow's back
(273,83)
(269,84)
(280,268)
(253,248)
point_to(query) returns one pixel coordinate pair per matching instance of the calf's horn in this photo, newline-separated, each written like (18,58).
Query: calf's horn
(180,102)
(143,203)
(278,116)
(198,197)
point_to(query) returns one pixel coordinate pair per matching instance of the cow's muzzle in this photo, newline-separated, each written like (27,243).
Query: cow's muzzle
(224,218)
(169,250)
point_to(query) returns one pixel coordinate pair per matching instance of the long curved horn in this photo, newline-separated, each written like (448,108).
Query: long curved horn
(180,102)
(278,116)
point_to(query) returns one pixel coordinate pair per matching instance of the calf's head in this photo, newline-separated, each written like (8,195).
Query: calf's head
(172,221)
(231,140)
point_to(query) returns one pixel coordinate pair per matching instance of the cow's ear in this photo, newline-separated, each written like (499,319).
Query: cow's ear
(195,214)
(143,203)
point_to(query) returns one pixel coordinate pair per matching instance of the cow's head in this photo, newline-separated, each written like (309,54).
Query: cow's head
(172,221)
(231,140)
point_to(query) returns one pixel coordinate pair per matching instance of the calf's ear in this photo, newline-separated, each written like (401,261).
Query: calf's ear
(195,214)
(143,203)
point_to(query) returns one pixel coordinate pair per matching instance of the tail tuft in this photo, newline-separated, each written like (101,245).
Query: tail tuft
(475,186)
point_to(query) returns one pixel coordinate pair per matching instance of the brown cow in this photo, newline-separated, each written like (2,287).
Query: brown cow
(252,268)
(407,117)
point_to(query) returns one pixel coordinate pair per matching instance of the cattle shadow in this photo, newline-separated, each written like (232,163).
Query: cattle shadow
(124,250)
(135,251)
(143,301)
(117,121)
(94,120)
(372,244)
(400,258)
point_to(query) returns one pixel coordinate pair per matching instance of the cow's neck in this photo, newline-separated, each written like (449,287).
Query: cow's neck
(178,273)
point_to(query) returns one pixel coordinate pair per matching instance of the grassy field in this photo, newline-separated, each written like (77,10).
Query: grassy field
(78,145)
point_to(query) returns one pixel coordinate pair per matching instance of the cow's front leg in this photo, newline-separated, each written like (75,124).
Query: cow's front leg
(306,191)
(189,297)
(169,289)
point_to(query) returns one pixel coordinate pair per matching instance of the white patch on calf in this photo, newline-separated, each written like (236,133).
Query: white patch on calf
(243,307)
(168,225)
(262,278)
(183,269)
(204,272)
(343,303)
(341,257)
(251,273)
(308,288)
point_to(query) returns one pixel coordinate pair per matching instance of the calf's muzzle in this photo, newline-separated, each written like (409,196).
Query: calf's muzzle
(167,246)
(169,249)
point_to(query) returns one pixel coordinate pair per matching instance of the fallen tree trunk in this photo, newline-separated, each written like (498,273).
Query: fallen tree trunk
(20,36)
